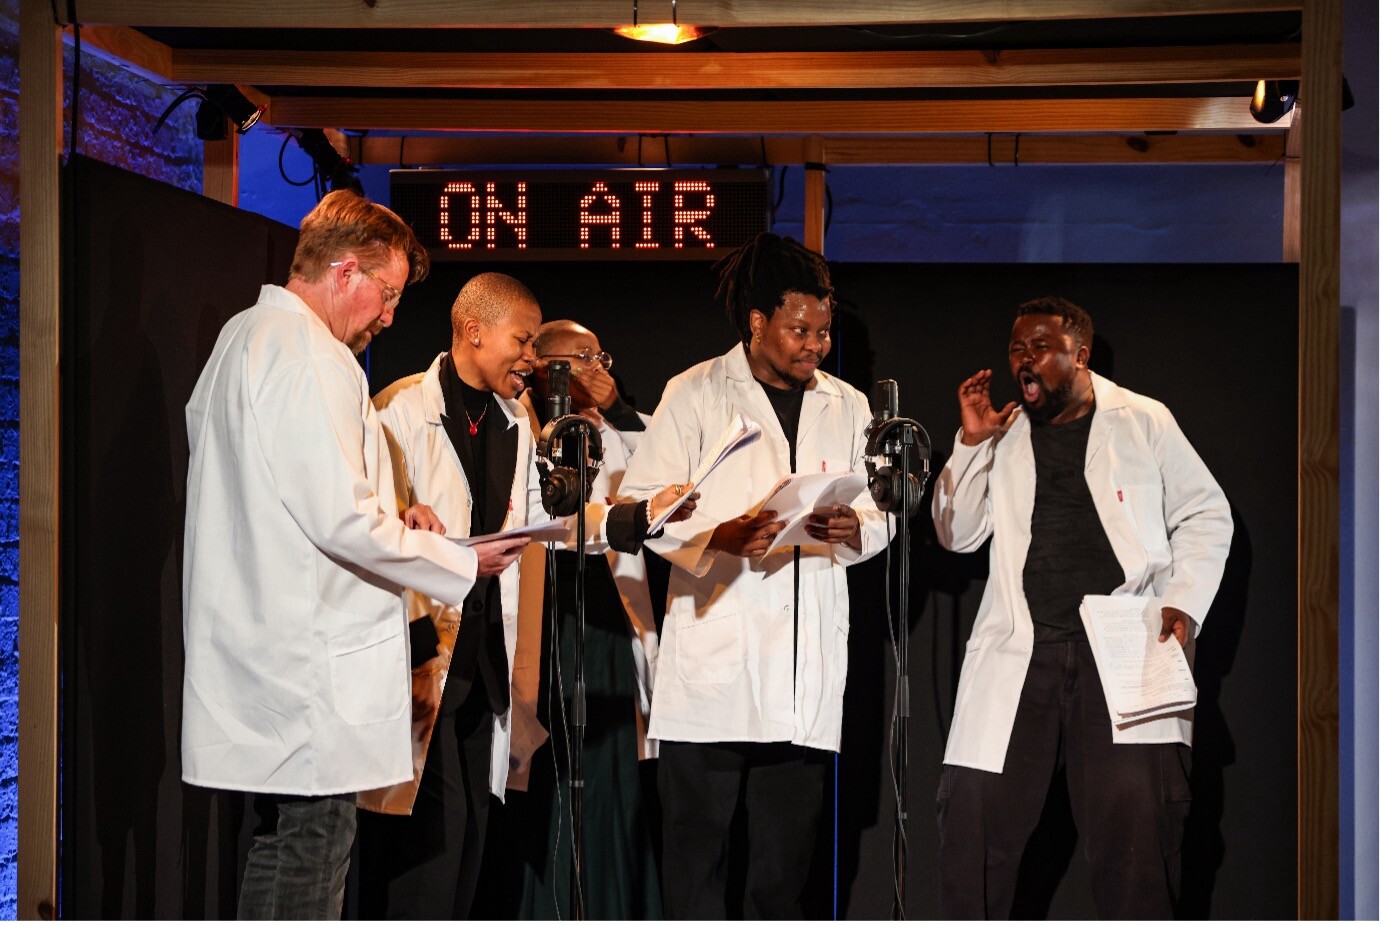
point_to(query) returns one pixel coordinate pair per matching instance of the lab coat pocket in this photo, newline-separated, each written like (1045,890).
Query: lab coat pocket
(370,676)
(711,649)
(1144,502)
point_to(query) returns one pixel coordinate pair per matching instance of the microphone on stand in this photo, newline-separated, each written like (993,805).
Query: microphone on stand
(565,490)
(559,389)
(886,400)
(901,445)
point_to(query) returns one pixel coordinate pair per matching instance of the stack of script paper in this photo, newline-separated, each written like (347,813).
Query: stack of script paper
(1142,677)
(795,497)
(740,434)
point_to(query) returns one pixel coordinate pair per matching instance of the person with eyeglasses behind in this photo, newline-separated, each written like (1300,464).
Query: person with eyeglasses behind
(620,879)
(295,557)
(458,444)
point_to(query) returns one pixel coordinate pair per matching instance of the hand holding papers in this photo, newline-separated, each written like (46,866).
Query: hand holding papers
(741,433)
(1142,677)
(795,497)
(544,531)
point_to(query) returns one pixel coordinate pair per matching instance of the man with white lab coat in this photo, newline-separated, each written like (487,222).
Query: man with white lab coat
(1088,489)
(458,446)
(752,665)
(296,683)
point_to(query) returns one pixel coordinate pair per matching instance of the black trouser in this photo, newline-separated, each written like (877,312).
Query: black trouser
(1129,802)
(700,786)
(425,866)
(298,859)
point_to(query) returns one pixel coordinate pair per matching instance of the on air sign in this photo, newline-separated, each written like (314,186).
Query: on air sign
(566,214)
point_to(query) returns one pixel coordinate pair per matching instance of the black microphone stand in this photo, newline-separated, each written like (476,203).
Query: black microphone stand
(564,424)
(901,699)
(897,439)
(577,783)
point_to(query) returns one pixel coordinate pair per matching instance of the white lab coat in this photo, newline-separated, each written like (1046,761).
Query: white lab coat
(1167,520)
(296,653)
(727,668)
(429,472)
(630,576)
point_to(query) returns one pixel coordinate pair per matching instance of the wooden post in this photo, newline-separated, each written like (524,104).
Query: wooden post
(40,139)
(1319,337)
(221,168)
(1292,191)
(815,194)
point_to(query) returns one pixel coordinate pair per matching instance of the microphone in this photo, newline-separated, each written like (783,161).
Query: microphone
(886,400)
(565,487)
(559,389)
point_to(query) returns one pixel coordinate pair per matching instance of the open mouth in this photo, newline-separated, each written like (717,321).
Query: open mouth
(518,380)
(1030,386)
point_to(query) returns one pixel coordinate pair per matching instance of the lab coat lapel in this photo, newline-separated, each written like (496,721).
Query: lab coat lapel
(1106,402)
(1106,491)
(747,397)
(816,400)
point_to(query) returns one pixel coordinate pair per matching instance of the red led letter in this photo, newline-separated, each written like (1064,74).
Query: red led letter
(588,218)
(445,216)
(689,217)
(646,189)
(518,219)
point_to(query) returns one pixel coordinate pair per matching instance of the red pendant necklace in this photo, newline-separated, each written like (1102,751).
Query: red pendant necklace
(473,426)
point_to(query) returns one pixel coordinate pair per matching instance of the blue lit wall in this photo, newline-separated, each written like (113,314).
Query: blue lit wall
(117,118)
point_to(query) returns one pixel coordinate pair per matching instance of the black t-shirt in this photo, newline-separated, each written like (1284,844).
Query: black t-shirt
(788,405)
(1069,555)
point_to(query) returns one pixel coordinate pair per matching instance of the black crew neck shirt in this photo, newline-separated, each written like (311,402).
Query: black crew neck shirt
(788,406)
(1069,555)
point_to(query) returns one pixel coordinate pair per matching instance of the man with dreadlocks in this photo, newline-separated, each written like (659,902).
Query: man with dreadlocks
(748,695)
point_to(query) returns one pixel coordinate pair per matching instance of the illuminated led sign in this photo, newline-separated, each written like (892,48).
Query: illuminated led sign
(636,214)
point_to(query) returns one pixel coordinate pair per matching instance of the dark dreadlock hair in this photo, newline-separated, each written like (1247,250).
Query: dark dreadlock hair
(758,274)
(1075,321)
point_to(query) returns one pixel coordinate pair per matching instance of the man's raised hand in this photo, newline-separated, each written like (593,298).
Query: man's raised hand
(979,419)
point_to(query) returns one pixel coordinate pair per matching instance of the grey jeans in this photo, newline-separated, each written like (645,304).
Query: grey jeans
(297,863)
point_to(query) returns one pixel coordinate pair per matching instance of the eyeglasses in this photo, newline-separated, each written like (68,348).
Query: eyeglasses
(604,359)
(391,295)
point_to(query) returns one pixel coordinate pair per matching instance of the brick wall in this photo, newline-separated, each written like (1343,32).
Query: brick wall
(117,111)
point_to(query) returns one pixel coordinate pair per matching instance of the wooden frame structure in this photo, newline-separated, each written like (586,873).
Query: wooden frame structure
(999,130)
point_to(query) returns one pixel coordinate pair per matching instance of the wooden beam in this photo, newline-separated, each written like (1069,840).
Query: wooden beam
(1319,485)
(1003,149)
(128,48)
(40,139)
(815,195)
(1214,114)
(221,168)
(605,150)
(1292,211)
(720,71)
(150,59)
(611,13)
(1292,191)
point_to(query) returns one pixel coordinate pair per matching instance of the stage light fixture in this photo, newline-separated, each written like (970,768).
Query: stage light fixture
(1272,100)
(219,102)
(340,171)
(236,105)
(668,33)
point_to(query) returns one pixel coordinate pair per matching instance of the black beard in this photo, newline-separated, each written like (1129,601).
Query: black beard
(1055,401)
(787,375)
